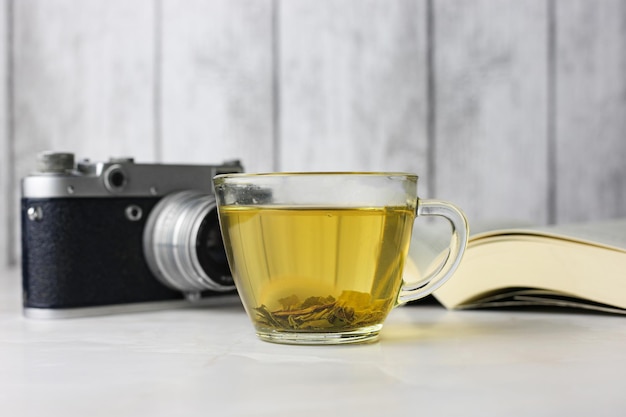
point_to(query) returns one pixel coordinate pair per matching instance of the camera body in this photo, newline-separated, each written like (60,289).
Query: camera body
(117,236)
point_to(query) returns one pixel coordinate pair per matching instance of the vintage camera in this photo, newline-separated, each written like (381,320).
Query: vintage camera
(106,237)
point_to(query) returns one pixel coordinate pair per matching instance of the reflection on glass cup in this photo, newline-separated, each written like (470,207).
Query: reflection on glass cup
(317,258)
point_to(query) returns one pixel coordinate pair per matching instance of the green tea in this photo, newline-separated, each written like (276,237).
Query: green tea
(314,268)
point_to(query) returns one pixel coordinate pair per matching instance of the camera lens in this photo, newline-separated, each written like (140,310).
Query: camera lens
(183,244)
(210,250)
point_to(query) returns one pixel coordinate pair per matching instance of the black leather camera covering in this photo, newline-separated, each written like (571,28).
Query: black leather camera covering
(84,252)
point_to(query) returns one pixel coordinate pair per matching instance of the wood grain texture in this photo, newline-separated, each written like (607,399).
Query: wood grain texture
(82,80)
(217,82)
(591,109)
(353,91)
(490,70)
(6,165)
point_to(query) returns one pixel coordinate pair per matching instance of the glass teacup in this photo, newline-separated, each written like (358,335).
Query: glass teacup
(318,258)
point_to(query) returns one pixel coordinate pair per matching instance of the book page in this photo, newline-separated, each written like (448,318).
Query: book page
(610,233)
(525,297)
(562,266)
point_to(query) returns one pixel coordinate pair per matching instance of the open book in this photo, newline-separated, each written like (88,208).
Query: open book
(576,266)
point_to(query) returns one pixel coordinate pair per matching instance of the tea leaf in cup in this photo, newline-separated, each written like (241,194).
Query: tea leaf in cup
(355,299)
(289,303)
(352,309)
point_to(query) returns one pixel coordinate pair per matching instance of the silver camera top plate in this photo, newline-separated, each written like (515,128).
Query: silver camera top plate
(58,177)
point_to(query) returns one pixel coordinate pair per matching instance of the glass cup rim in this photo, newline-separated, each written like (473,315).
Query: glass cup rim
(243,175)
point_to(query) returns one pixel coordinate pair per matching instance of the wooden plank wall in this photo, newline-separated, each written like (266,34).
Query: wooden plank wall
(513,110)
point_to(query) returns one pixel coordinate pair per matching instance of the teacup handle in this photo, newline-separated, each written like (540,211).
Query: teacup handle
(458,243)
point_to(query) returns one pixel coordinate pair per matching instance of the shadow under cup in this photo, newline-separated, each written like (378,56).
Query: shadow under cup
(317,258)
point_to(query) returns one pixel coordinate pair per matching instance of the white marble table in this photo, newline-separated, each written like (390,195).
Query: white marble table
(429,362)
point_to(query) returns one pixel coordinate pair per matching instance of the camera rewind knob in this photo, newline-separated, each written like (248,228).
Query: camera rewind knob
(55,162)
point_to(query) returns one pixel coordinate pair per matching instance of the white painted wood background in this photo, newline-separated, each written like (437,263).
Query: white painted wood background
(512,109)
